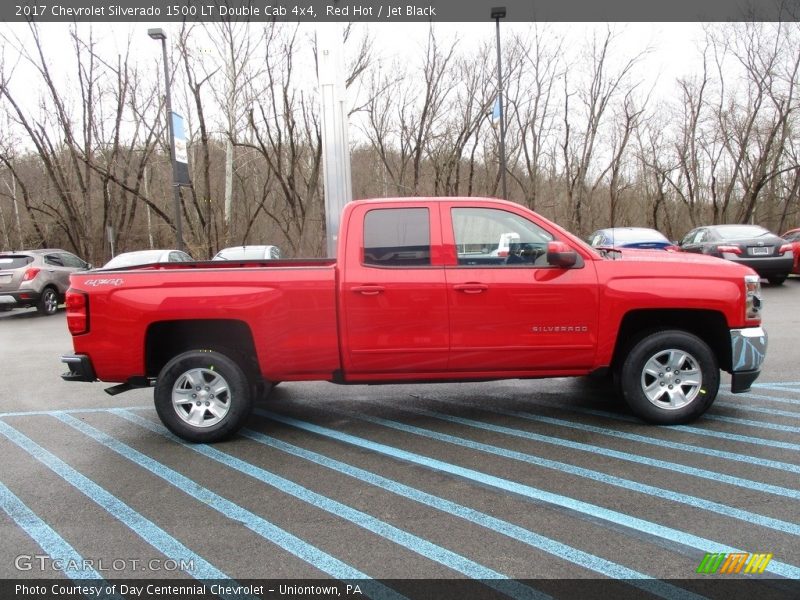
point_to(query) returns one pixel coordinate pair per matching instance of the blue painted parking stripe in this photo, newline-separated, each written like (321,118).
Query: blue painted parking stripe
(265,529)
(626,456)
(751,423)
(146,529)
(759,409)
(403,538)
(783,386)
(527,491)
(57,548)
(767,398)
(634,437)
(41,413)
(692,429)
(715,507)
(563,551)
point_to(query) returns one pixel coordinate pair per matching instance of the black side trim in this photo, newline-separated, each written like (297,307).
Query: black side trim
(80,368)
(742,380)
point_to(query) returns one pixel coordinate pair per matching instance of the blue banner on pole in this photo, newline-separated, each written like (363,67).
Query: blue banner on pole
(181,151)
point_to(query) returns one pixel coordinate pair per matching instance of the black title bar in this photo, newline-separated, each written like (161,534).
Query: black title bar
(388,11)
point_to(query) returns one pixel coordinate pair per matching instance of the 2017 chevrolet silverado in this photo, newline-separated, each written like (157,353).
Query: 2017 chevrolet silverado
(422,290)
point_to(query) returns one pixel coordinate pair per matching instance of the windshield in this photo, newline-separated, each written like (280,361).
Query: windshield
(636,235)
(134,258)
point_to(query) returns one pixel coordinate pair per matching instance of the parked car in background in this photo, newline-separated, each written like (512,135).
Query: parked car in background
(631,237)
(146,257)
(37,278)
(793,237)
(767,254)
(248,253)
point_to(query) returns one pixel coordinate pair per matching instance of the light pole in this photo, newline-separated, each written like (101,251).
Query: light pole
(158,34)
(499,12)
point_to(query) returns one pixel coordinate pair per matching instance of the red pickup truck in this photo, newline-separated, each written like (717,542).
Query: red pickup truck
(423,290)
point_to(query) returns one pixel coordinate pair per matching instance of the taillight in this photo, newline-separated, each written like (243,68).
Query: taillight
(785,248)
(77,312)
(30,274)
(730,249)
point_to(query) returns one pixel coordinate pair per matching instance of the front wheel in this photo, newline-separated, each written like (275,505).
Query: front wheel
(669,377)
(203,396)
(777,280)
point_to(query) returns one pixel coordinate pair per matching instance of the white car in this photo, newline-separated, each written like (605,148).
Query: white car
(248,253)
(146,257)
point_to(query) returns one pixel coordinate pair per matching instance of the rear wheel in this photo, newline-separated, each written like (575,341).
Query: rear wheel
(203,396)
(669,377)
(48,303)
(777,280)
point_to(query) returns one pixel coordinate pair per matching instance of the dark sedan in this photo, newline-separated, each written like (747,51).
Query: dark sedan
(767,254)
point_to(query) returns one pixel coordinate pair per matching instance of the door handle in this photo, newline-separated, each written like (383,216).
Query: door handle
(471,288)
(368,290)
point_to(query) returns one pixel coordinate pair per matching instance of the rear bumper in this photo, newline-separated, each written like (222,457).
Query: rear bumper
(748,350)
(80,368)
(23,298)
(768,267)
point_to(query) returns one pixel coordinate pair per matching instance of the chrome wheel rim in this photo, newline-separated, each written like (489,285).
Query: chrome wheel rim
(671,379)
(201,397)
(50,302)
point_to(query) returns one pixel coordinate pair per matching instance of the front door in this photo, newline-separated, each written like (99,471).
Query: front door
(509,310)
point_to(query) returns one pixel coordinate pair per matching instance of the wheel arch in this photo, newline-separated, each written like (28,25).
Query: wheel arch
(710,326)
(166,339)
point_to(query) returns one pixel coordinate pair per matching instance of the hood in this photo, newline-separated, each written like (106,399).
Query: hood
(674,260)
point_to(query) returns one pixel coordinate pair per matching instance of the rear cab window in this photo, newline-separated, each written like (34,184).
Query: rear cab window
(397,237)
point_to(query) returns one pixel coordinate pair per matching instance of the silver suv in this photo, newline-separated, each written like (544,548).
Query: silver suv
(37,278)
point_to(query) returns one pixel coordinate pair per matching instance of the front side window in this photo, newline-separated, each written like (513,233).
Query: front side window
(493,237)
(397,237)
(70,260)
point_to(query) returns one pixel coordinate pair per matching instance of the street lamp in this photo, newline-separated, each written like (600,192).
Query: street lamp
(158,34)
(499,12)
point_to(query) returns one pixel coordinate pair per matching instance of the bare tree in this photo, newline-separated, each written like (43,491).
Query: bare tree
(579,143)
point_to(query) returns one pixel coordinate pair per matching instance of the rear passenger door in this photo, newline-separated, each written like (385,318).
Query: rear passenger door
(57,271)
(393,293)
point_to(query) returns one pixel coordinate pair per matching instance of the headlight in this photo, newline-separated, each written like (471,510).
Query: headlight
(752,290)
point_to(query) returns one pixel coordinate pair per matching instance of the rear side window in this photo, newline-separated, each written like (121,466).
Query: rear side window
(54,260)
(14,262)
(397,237)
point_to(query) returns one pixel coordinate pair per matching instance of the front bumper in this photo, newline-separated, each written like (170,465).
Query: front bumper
(748,350)
(80,368)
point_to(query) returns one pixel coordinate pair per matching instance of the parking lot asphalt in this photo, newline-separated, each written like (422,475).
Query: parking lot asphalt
(536,481)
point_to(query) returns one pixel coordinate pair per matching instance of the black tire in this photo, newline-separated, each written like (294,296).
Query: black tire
(203,396)
(777,280)
(48,302)
(661,395)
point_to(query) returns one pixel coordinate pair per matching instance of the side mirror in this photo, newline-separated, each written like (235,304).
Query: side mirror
(561,255)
